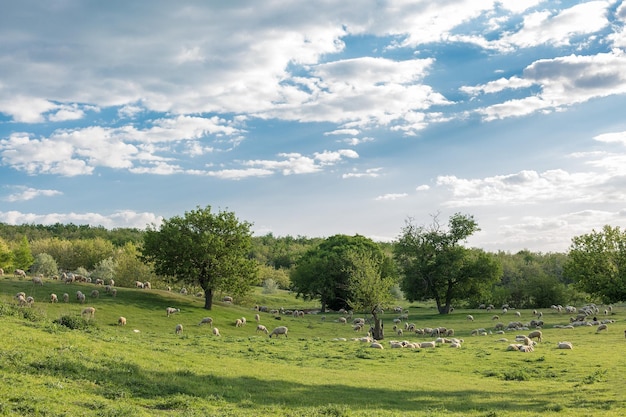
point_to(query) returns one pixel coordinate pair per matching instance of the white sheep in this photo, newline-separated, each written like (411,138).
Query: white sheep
(183,291)
(206,320)
(376,345)
(243,321)
(21,300)
(147,286)
(139,284)
(279,330)
(470,317)
(121,321)
(238,323)
(602,327)
(114,292)
(216,331)
(89,311)
(179,329)
(565,345)
(95,294)
(257,318)
(428,345)
(38,281)
(227,299)
(54,298)
(66,298)
(261,328)
(536,334)
(171,310)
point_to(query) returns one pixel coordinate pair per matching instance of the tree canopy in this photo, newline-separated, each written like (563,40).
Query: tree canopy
(435,266)
(597,263)
(323,272)
(204,248)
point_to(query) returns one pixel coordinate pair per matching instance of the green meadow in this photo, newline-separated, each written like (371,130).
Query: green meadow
(145,369)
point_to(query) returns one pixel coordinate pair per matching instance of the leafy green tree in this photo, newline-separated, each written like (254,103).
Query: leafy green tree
(44,264)
(369,286)
(22,255)
(206,249)
(105,270)
(279,276)
(6,256)
(597,263)
(60,250)
(130,268)
(435,266)
(323,272)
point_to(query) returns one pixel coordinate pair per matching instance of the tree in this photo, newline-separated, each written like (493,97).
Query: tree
(434,264)
(22,256)
(130,268)
(369,286)
(6,256)
(204,248)
(44,264)
(323,271)
(597,263)
(105,269)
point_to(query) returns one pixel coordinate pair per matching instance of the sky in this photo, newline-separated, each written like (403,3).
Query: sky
(318,118)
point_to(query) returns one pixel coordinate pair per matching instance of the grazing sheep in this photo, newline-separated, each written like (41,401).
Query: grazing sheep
(216,331)
(95,294)
(66,298)
(496,317)
(470,317)
(112,282)
(171,310)
(80,297)
(342,320)
(565,345)
(602,327)
(183,291)
(243,321)
(139,284)
(121,321)
(536,334)
(38,281)
(179,329)
(89,311)
(376,345)
(21,300)
(279,330)
(54,298)
(99,281)
(238,323)
(107,289)
(114,292)
(227,299)
(19,273)
(518,314)
(206,320)
(428,345)
(147,286)
(257,318)
(261,328)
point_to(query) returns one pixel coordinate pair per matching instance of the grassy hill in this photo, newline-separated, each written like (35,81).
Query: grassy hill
(145,369)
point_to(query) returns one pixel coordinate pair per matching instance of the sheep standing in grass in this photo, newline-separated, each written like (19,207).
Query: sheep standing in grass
(206,320)
(257,318)
(89,311)
(536,334)
(602,327)
(147,285)
(279,330)
(261,328)
(21,299)
(171,310)
(38,281)
(470,317)
(243,321)
(179,329)
(121,321)
(216,331)
(95,294)
(66,298)
(80,297)
(54,298)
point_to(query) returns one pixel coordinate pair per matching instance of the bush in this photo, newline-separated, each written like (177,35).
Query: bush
(270,286)
(74,322)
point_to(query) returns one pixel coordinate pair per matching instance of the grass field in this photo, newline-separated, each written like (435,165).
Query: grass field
(145,369)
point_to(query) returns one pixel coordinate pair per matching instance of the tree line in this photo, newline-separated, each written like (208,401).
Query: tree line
(216,251)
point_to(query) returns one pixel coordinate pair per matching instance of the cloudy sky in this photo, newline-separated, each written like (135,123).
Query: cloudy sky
(317,118)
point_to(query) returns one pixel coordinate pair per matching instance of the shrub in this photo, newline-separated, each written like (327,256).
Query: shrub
(74,322)
(270,286)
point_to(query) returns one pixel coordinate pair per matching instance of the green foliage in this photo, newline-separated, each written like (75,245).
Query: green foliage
(435,266)
(279,276)
(597,263)
(44,264)
(130,268)
(22,255)
(6,256)
(74,322)
(206,249)
(323,272)
(105,269)
(270,286)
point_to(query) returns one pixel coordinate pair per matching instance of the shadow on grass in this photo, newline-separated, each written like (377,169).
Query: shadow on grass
(120,380)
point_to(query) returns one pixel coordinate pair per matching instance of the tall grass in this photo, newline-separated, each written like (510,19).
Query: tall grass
(145,369)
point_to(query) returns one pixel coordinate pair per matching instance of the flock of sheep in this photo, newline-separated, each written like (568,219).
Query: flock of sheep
(401,325)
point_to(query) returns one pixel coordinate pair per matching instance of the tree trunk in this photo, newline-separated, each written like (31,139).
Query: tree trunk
(208,299)
(378,332)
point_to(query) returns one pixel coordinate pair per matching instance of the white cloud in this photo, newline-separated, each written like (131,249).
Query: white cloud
(27,193)
(369,173)
(423,187)
(118,219)
(391,197)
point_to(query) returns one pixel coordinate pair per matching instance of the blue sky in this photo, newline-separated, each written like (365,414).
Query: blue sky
(312,119)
